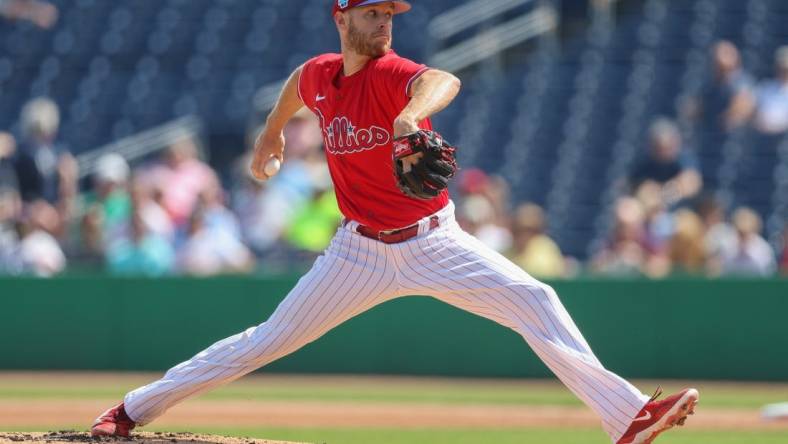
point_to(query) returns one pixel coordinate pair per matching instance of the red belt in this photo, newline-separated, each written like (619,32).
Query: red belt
(394,236)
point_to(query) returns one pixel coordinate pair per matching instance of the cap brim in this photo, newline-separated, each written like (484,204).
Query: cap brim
(400,6)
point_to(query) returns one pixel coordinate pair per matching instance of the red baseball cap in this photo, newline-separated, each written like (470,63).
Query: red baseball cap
(343,5)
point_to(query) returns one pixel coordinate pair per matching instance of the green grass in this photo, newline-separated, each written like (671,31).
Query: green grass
(417,391)
(426,391)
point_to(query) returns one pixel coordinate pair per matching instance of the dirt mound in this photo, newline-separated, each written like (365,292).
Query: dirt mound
(68,436)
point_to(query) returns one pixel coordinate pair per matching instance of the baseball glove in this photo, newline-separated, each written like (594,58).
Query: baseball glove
(430,175)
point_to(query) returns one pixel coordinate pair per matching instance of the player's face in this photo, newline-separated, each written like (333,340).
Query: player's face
(369,29)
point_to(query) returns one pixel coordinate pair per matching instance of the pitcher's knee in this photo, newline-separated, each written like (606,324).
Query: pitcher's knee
(548,290)
(534,290)
(533,302)
(272,343)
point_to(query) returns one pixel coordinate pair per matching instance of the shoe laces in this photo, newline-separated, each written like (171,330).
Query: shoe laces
(657,394)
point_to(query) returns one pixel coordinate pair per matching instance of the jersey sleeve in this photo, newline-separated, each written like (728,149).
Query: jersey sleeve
(306,84)
(403,73)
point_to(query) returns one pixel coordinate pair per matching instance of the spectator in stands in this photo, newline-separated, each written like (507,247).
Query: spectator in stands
(483,208)
(658,221)
(181,177)
(216,215)
(727,100)
(10,205)
(476,214)
(10,210)
(771,114)
(106,214)
(626,253)
(305,171)
(42,14)
(142,252)
(494,188)
(38,252)
(88,251)
(314,225)
(686,250)
(111,195)
(45,169)
(147,203)
(751,255)
(719,235)
(262,214)
(267,209)
(533,250)
(498,233)
(304,135)
(8,177)
(210,251)
(668,165)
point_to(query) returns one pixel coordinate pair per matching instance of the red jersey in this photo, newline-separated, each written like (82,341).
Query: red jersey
(357,115)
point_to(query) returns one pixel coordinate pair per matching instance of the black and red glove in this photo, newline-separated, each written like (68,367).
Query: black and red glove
(430,173)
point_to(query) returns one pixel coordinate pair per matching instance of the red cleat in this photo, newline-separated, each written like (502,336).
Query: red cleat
(113,422)
(658,416)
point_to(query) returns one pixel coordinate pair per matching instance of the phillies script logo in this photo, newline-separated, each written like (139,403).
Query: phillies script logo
(342,137)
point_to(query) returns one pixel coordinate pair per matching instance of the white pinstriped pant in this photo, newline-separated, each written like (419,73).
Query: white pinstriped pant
(356,273)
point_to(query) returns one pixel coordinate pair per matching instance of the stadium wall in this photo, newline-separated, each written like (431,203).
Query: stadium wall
(721,329)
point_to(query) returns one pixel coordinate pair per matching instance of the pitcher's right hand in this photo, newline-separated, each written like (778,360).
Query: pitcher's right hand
(266,147)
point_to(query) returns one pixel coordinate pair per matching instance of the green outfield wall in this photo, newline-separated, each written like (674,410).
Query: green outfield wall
(728,329)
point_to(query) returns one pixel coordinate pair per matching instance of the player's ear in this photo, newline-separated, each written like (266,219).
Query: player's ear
(341,20)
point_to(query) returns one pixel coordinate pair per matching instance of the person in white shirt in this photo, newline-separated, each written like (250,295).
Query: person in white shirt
(771,113)
(751,254)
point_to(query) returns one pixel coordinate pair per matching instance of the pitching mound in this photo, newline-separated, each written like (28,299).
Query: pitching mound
(137,438)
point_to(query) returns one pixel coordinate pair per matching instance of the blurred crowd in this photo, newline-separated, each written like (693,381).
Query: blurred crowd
(649,237)
(167,215)
(665,222)
(172,214)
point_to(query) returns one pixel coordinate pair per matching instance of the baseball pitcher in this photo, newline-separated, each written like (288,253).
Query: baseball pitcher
(399,237)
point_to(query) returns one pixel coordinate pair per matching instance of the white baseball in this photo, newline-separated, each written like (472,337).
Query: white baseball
(272,166)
